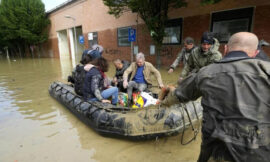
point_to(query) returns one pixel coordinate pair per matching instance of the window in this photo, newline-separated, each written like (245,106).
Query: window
(92,39)
(226,23)
(173,32)
(122,36)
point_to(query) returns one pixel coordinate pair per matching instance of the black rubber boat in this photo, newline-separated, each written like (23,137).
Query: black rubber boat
(136,124)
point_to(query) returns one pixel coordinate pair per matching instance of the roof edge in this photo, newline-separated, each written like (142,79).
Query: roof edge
(68,2)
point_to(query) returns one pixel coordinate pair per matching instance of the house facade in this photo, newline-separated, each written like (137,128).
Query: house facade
(78,24)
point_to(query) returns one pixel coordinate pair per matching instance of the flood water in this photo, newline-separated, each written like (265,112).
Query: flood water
(35,127)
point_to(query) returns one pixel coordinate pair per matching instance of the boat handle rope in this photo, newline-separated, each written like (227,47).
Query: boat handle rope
(196,131)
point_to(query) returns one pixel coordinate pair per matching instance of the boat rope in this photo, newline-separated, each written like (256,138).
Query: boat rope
(195,131)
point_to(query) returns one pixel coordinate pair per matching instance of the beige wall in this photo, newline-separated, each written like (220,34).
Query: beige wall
(59,22)
(98,19)
(91,15)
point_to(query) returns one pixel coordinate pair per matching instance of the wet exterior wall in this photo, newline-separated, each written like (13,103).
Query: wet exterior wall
(92,16)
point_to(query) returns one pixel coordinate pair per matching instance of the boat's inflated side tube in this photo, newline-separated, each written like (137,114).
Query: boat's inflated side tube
(107,119)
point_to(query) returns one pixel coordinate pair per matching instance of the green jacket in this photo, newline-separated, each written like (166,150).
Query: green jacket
(199,59)
(147,71)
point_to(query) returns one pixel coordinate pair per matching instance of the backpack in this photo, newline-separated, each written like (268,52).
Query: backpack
(79,76)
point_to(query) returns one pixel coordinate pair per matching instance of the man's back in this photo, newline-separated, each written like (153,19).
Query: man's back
(237,89)
(235,97)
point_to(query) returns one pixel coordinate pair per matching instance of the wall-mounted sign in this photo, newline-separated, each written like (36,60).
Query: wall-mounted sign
(136,50)
(90,36)
(152,49)
(81,39)
(131,35)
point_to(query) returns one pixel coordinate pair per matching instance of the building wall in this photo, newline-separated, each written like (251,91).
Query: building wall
(92,16)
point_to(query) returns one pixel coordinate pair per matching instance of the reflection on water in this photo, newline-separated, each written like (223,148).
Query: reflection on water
(34,127)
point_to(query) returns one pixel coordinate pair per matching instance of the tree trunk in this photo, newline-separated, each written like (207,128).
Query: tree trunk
(20,52)
(158,61)
(31,49)
(7,53)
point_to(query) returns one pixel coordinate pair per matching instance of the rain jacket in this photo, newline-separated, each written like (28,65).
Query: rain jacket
(199,59)
(236,105)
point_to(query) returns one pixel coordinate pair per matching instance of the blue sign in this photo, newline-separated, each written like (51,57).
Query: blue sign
(81,39)
(131,35)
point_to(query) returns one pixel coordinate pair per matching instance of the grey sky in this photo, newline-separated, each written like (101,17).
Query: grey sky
(50,4)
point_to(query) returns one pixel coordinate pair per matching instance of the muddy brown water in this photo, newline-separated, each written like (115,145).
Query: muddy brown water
(35,127)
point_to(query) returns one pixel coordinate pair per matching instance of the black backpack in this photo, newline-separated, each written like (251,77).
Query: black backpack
(79,76)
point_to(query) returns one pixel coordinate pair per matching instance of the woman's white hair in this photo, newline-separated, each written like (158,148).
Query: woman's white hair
(140,56)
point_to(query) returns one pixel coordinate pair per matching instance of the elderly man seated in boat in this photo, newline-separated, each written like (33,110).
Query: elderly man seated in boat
(140,79)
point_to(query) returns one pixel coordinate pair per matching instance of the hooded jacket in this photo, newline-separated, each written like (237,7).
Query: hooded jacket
(199,59)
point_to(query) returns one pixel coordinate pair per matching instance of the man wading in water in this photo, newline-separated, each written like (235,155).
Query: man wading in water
(236,103)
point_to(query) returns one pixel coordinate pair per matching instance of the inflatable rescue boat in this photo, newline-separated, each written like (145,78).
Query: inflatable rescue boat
(132,123)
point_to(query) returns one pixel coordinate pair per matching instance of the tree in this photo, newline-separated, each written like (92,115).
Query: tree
(153,12)
(22,23)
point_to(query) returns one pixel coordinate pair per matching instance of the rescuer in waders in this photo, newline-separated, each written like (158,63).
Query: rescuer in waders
(236,103)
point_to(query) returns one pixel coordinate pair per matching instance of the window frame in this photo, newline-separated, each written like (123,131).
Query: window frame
(234,14)
(127,27)
(175,23)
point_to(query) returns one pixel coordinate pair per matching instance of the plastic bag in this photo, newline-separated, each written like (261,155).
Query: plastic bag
(140,101)
(135,96)
(123,99)
(150,100)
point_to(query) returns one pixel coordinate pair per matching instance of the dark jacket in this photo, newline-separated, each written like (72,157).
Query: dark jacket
(120,72)
(93,84)
(262,55)
(236,104)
